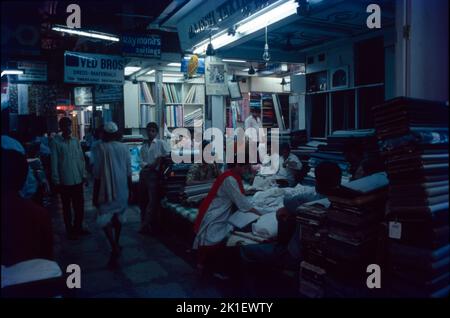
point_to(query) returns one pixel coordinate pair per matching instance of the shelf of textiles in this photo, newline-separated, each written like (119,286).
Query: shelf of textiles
(413,138)
(268,115)
(147,112)
(174,116)
(340,237)
(238,111)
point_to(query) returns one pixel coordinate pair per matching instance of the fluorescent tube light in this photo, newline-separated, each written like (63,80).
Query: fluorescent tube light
(174,64)
(173,75)
(12,72)
(150,72)
(216,42)
(234,61)
(131,69)
(90,34)
(245,69)
(278,13)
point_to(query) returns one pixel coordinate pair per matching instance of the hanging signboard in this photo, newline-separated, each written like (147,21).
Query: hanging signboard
(216,78)
(83,96)
(108,93)
(32,71)
(85,68)
(142,45)
(208,15)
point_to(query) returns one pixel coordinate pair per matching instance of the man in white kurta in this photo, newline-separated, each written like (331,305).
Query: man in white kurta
(252,125)
(215,227)
(289,166)
(112,168)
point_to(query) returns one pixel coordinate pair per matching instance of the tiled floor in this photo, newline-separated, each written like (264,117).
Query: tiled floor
(147,267)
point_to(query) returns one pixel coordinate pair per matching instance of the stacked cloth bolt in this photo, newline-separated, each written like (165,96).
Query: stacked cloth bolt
(413,138)
(354,231)
(339,146)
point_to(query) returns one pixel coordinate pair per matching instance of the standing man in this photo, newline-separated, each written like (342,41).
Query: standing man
(253,121)
(151,154)
(252,125)
(68,176)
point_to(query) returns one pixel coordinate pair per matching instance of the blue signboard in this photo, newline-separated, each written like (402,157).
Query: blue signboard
(141,45)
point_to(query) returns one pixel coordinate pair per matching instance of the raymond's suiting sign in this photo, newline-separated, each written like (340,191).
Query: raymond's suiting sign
(84,68)
(142,45)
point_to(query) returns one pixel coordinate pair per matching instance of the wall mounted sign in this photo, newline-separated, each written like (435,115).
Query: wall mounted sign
(142,45)
(32,71)
(108,93)
(216,78)
(224,11)
(85,68)
(207,16)
(83,96)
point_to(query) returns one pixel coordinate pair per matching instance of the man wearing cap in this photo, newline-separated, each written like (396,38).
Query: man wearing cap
(68,176)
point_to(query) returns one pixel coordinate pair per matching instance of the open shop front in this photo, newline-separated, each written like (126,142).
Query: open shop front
(331,84)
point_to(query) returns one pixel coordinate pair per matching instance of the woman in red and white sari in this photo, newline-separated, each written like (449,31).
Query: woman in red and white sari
(211,225)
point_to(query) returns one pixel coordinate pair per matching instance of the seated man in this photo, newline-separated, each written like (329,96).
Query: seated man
(286,252)
(290,165)
(360,165)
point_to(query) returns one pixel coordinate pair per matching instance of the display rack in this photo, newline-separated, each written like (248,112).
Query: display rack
(183,103)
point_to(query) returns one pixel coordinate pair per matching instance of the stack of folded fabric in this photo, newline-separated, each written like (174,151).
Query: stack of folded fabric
(298,137)
(304,152)
(413,135)
(313,234)
(339,145)
(175,180)
(192,195)
(353,222)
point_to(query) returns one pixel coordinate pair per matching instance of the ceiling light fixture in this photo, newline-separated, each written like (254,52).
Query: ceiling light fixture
(272,14)
(89,34)
(150,72)
(131,69)
(277,13)
(233,61)
(11,72)
(174,64)
(173,75)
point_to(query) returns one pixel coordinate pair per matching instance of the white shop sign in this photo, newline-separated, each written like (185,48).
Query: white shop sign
(32,71)
(85,68)
(108,93)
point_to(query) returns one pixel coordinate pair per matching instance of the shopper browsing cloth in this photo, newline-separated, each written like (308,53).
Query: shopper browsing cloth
(151,154)
(211,226)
